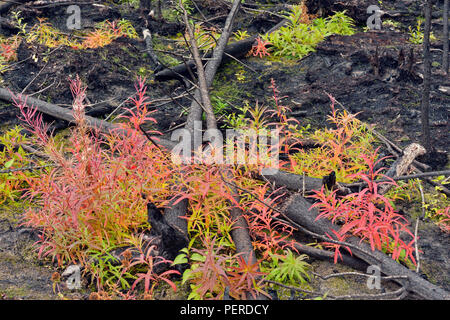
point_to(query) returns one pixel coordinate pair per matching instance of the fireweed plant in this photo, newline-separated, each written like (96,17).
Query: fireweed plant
(92,199)
(340,149)
(92,202)
(44,33)
(14,157)
(368,215)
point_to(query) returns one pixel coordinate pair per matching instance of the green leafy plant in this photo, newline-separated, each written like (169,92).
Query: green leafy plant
(436,203)
(302,34)
(240,35)
(207,274)
(236,120)
(212,271)
(12,156)
(18,21)
(109,275)
(340,148)
(416,34)
(219,106)
(289,268)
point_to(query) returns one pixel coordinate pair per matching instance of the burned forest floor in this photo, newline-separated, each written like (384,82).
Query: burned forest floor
(375,74)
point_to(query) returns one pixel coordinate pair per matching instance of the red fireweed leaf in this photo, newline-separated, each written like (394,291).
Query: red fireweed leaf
(260,48)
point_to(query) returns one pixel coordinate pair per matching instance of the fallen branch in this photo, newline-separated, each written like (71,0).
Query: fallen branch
(237,50)
(195,113)
(397,293)
(202,82)
(401,166)
(233,51)
(289,180)
(401,178)
(66,114)
(326,255)
(299,210)
(239,233)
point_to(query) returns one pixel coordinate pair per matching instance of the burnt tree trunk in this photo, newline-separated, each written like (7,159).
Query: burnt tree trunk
(425,106)
(445,38)
(145,6)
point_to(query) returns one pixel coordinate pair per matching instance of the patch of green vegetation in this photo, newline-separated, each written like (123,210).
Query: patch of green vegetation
(391,23)
(435,64)
(13,156)
(220,106)
(433,272)
(408,193)
(174,14)
(301,35)
(131,54)
(225,87)
(144,72)
(339,286)
(166,59)
(416,34)
(289,269)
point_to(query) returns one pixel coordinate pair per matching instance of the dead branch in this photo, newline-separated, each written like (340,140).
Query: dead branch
(239,233)
(233,51)
(401,166)
(212,66)
(326,255)
(65,114)
(299,210)
(202,83)
(289,180)
(397,293)
(9,4)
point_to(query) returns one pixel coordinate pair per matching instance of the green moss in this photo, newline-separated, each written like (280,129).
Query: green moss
(433,271)
(226,87)
(158,45)
(144,72)
(338,286)
(129,53)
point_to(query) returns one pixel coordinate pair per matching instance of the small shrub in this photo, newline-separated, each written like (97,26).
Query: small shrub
(93,197)
(368,215)
(302,34)
(340,149)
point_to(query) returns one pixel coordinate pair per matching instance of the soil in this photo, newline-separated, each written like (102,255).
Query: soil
(377,74)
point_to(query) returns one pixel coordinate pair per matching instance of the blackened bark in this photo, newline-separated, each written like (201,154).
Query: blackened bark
(445,39)
(145,5)
(425,107)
